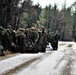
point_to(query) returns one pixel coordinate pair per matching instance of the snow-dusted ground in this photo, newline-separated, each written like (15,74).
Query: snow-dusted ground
(60,62)
(54,64)
(10,63)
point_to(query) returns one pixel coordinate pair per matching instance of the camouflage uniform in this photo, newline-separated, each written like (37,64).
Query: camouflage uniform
(52,40)
(49,37)
(44,40)
(34,38)
(1,46)
(57,36)
(21,40)
(40,41)
(9,38)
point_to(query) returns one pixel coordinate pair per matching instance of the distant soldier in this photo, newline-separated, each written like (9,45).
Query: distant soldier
(1,45)
(34,38)
(9,37)
(27,33)
(57,37)
(40,41)
(21,39)
(52,40)
(28,45)
(33,34)
(49,37)
(4,39)
(44,39)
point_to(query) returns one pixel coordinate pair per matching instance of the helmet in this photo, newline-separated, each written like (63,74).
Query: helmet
(9,26)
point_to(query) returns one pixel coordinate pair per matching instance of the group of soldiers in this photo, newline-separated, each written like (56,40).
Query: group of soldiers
(27,39)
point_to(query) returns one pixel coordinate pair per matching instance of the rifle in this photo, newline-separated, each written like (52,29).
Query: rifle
(36,41)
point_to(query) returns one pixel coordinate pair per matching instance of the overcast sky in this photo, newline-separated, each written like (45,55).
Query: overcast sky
(43,3)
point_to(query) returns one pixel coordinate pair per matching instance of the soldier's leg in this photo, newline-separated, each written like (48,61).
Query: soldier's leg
(56,45)
(53,45)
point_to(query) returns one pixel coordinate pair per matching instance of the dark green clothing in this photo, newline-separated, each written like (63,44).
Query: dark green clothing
(55,38)
(44,41)
(21,42)
(33,36)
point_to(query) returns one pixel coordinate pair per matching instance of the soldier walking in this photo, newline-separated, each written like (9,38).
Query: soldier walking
(57,36)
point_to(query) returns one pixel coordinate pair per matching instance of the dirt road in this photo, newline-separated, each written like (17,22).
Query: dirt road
(60,62)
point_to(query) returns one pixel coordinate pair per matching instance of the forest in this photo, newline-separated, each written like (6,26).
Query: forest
(22,13)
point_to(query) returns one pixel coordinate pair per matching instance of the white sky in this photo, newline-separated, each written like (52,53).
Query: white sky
(43,3)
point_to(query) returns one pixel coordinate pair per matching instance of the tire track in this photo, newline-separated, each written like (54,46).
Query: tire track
(27,64)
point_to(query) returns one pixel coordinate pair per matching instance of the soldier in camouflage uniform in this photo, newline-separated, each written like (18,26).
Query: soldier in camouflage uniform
(21,39)
(10,37)
(4,39)
(49,37)
(57,36)
(34,38)
(40,41)
(53,38)
(29,44)
(44,40)
(1,46)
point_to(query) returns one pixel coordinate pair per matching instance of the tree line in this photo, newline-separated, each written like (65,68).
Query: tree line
(22,13)
(12,10)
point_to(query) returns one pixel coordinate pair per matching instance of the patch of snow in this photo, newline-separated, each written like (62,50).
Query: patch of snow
(44,67)
(52,65)
(49,47)
(12,62)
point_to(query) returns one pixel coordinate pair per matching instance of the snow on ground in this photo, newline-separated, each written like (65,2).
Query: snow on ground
(12,62)
(72,51)
(54,64)
(44,66)
(66,42)
(49,47)
(73,65)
